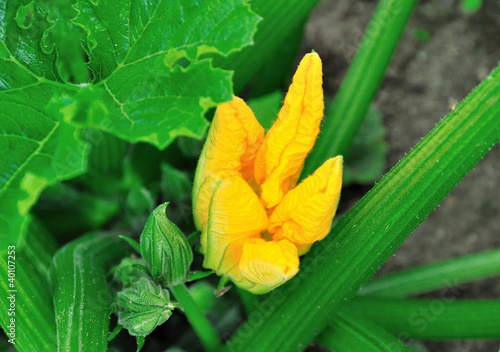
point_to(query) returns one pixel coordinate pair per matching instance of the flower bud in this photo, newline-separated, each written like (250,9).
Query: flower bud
(165,249)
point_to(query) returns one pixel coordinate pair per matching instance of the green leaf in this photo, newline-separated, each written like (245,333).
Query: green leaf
(273,33)
(175,184)
(365,161)
(130,270)
(105,161)
(143,306)
(23,26)
(66,211)
(82,300)
(140,342)
(63,37)
(39,246)
(435,276)
(137,65)
(132,243)
(441,318)
(266,108)
(197,275)
(139,200)
(143,30)
(361,241)
(471,6)
(35,327)
(165,249)
(144,102)
(38,149)
(353,332)
(196,318)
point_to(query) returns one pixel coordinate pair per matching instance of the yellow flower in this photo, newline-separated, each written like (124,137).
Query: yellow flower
(255,221)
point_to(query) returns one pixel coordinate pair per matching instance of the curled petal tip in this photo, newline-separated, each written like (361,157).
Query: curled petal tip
(281,157)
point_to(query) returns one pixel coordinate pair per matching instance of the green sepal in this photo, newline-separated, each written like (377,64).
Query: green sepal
(143,306)
(132,243)
(140,342)
(197,275)
(130,270)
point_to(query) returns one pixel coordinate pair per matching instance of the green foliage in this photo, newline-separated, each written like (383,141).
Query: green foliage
(35,326)
(471,5)
(111,97)
(143,306)
(365,161)
(266,108)
(421,34)
(82,300)
(351,331)
(135,92)
(440,318)
(138,66)
(434,276)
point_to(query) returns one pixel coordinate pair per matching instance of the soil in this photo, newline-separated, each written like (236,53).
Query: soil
(426,78)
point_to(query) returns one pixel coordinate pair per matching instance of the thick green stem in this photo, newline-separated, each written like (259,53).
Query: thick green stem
(199,322)
(435,276)
(439,318)
(361,82)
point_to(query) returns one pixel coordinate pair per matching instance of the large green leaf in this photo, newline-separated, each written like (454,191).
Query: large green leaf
(36,148)
(150,85)
(150,102)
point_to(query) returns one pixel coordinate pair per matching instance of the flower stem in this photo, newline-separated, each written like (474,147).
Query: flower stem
(195,316)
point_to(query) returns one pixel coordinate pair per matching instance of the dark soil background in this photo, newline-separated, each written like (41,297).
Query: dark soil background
(424,81)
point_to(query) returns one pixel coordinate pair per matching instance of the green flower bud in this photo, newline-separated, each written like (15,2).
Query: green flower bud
(165,249)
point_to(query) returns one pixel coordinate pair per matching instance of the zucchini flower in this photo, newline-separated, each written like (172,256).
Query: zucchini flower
(255,221)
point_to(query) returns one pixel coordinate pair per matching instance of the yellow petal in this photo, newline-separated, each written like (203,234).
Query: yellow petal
(235,216)
(232,142)
(281,157)
(306,212)
(268,264)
